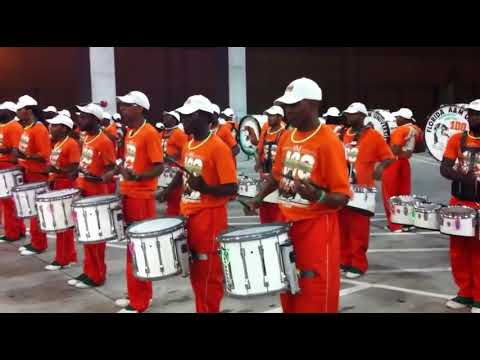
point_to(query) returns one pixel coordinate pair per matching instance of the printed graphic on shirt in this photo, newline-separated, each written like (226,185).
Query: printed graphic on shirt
(410,139)
(1,140)
(351,154)
(86,158)
(130,155)
(272,149)
(195,166)
(54,156)
(297,163)
(24,140)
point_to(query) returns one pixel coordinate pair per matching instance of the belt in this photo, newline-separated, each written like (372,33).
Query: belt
(307,273)
(198,256)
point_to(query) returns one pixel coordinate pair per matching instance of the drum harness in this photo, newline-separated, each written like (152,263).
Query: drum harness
(268,162)
(353,144)
(460,190)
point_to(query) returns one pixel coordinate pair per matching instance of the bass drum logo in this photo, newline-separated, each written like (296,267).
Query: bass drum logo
(379,123)
(441,125)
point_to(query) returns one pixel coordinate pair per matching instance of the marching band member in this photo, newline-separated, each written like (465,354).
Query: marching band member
(334,120)
(109,128)
(464,148)
(311,174)
(143,163)
(367,156)
(224,131)
(173,141)
(266,151)
(396,179)
(49,112)
(10,132)
(97,158)
(33,152)
(228,115)
(207,190)
(62,168)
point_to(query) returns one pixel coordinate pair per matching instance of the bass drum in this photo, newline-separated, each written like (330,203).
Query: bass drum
(376,119)
(255,122)
(441,125)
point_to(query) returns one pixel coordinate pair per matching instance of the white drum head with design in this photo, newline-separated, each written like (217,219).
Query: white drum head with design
(154,225)
(377,119)
(441,125)
(255,122)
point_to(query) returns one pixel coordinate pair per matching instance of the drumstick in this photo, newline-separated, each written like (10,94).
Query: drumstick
(171,160)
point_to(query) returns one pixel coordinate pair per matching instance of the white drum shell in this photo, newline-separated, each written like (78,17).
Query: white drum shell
(248,187)
(403,213)
(25,201)
(426,219)
(9,178)
(458,226)
(55,215)
(363,199)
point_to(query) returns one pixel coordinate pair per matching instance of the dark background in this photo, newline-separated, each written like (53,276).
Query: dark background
(421,78)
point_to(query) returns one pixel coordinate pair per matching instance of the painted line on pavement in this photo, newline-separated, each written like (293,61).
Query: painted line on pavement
(372,251)
(401,271)
(405,233)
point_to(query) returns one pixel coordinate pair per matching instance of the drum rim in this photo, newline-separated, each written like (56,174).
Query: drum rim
(224,238)
(113,198)
(16,168)
(38,185)
(42,198)
(240,143)
(155,233)
(415,199)
(369,188)
(472,215)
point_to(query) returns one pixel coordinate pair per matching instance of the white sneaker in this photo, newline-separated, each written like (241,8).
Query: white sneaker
(398,231)
(127,311)
(27,253)
(82,285)
(456,305)
(352,275)
(22,248)
(73,282)
(123,303)
(475,310)
(51,267)
(2,241)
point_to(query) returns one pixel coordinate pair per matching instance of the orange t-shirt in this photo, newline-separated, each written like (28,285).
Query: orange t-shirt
(223,132)
(173,142)
(142,151)
(265,136)
(335,128)
(214,162)
(452,151)
(111,129)
(406,136)
(371,148)
(321,159)
(9,137)
(97,154)
(35,140)
(65,153)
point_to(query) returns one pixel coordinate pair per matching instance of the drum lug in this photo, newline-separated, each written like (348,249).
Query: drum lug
(53,217)
(264,270)
(247,280)
(160,260)
(147,268)
(457,223)
(405,210)
(97,213)
(227,269)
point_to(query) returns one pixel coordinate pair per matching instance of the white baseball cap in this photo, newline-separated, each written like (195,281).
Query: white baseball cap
(26,100)
(299,90)
(159,125)
(175,114)
(228,112)
(50,109)
(136,97)
(9,105)
(404,113)
(356,107)
(332,111)
(116,116)
(274,110)
(107,115)
(61,119)
(195,103)
(474,105)
(215,108)
(65,112)
(93,109)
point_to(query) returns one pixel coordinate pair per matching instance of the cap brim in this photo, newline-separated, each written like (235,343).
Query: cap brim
(59,123)
(125,99)
(288,99)
(186,110)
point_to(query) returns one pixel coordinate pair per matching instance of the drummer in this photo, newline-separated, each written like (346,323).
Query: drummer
(228,116)
(223,131)
(143,163)
(173,141)
(49,112)
(109,128)
(204,200)
(367,156)
(266,151)
(334,120)
(62,170)
(404,140)
(314,157)
(97,157)
(10,132)
(33,152)
(464,251)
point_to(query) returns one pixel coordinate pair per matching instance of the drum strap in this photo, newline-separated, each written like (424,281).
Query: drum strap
(199,256)
(268,163)
(460,190)
(307,273)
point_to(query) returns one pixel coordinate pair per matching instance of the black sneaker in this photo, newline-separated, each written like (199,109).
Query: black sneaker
(459,302)
(476,307)
(353,273)
(78,279)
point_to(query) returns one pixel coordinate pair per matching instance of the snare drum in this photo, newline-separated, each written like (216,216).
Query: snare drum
(363,199)
(167,176)
(458,221)
(258,261)
(159,248)
(427,216)
(248,187)
(98,219)
(55,209)
(9,178)
(25,197)
(401,208)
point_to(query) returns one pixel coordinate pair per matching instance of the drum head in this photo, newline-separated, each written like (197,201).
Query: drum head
(155,227)
(96,200)
(58,194)
(441,125)
(16,168)
(254,233)
(379,123)
(30,186)
(458,210)
(427,207)
(255,122)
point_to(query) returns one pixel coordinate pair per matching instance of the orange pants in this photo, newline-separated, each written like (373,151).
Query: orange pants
(94,265)
(38,238)
(354,235)
(65,252)
(139,291)
(14,227)
(112,187)
(396,180)
(270,213)
(206,276)
(317,248)
(465,259)
(173,201)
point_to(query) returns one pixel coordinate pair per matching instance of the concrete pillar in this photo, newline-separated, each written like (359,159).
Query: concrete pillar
(102,75)
(237,81)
